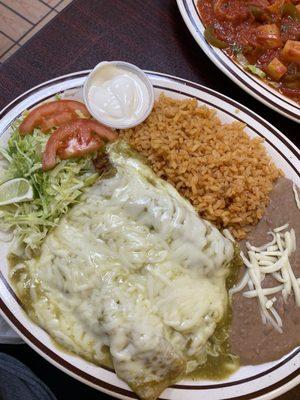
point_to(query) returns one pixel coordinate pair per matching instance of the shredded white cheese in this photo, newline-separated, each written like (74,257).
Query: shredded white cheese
(271,258)
(228,235)
(296,195)
(281,228)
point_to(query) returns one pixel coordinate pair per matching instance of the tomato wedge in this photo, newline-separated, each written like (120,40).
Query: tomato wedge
(54,113)
(75,139)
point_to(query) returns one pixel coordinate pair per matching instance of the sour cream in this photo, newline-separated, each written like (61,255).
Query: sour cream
(118,94)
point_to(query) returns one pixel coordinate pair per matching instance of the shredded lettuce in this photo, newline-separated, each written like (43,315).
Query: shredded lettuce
(252,68)
(55,191)
(256,71)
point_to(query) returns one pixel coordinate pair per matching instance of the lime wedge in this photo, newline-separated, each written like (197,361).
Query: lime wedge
(15,191)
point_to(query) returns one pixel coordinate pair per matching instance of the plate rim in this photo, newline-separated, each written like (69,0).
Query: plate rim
(290,384)
(292,111)
(269,395)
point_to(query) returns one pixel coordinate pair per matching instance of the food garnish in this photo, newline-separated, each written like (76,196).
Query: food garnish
(54,191)
(75,139)
(52,114)
(271,258)
(15,191)
(252,68)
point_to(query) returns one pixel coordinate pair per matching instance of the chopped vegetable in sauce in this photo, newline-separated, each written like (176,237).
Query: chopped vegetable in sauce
(263,34)
(212,39)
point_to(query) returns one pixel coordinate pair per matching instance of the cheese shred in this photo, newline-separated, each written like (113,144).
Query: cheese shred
(296,195)
(271,258)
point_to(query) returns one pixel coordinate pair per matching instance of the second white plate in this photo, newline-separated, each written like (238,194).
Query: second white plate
(254,86)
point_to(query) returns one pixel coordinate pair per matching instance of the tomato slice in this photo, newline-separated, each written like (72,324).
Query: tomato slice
(82,143)
(54,113)
(75,139)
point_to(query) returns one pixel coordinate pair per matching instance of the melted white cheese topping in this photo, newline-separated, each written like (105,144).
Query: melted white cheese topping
(129,266)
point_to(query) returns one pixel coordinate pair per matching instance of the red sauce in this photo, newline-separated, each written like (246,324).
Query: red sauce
(259,30)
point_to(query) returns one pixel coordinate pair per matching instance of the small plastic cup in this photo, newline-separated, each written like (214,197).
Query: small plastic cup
(133,69)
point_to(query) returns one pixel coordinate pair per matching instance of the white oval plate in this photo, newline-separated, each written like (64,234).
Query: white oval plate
(264,381)
(249,82)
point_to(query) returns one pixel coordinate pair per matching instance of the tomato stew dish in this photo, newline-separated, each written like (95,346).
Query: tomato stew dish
(263,36)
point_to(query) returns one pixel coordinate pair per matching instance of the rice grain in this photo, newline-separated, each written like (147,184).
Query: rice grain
(225,174)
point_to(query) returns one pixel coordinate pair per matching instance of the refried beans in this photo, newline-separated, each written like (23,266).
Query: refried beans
(251,340)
